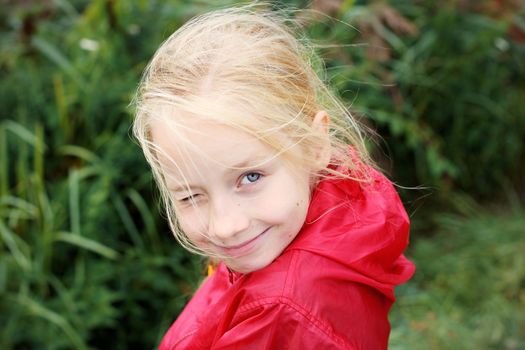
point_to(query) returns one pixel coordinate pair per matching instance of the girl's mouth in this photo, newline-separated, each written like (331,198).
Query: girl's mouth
(243,248)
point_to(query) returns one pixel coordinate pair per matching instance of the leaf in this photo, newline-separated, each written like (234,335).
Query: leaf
(88,244)
(51,52)
(127,220)
(74,201)
(9,238)
(19,204)
(34,308)
(23,133)
(79,152)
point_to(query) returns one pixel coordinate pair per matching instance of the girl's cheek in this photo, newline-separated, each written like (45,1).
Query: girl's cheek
(193,225)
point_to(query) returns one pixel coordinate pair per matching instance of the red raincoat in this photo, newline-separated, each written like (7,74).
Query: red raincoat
(331,288)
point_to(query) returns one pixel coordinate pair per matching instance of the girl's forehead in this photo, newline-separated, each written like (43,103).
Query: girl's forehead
(219,125)
(199,134)
(197,145)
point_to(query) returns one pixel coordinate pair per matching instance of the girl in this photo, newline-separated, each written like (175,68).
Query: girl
(262,169)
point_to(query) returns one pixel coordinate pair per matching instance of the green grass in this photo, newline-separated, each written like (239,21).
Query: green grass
(469,288)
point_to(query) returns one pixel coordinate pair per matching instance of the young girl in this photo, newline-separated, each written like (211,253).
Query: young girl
(262,169)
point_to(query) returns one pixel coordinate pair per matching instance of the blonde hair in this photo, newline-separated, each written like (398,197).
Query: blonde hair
(222,64)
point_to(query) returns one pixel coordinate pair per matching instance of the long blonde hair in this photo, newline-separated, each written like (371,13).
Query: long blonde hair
(222,64)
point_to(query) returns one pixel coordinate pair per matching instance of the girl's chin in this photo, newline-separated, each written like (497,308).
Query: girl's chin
(246,264)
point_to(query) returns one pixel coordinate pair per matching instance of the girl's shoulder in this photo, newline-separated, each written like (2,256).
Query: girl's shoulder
(313,296)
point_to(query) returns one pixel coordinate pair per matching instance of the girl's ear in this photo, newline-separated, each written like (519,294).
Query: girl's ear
(321,121)
(321,124)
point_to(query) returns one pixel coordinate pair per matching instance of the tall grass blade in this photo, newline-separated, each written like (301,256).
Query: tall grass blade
(4,159)
(38,157)
(147,217)
(17,204)
(22,171)
(61,105)
(80,152)
(66,6)
(74,202)
(127,220)
(51,52)
(36,309)
(22,132)
(47,232)
(87,244)
(3,277)
(9,239)
(67,298)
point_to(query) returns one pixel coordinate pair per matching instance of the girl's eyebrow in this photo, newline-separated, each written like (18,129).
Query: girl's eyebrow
(252,162)
(180,188)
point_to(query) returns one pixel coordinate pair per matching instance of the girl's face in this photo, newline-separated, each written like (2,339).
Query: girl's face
(233,197)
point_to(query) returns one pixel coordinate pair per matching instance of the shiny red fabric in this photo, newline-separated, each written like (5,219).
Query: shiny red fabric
(331,288)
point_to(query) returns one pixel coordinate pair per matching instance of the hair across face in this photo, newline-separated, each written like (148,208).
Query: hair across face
(241,72)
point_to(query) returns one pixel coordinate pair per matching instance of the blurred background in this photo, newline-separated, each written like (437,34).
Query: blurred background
(86,259)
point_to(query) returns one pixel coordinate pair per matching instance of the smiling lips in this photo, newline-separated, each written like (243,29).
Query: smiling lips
(243,248)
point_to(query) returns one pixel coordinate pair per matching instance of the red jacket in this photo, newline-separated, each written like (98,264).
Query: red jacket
(331,288)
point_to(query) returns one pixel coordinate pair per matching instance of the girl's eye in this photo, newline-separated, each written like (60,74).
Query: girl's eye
(250,178)
(188,199)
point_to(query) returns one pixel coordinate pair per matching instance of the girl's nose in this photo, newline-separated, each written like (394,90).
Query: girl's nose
(226,220)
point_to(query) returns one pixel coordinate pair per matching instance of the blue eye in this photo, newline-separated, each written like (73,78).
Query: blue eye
(250,178)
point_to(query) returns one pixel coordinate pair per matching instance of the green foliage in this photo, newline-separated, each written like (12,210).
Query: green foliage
(443,85)
(468,291)
(86,260)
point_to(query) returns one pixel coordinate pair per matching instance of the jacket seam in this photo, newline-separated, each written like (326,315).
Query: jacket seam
(182,338)
(289,272)
(305,313)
